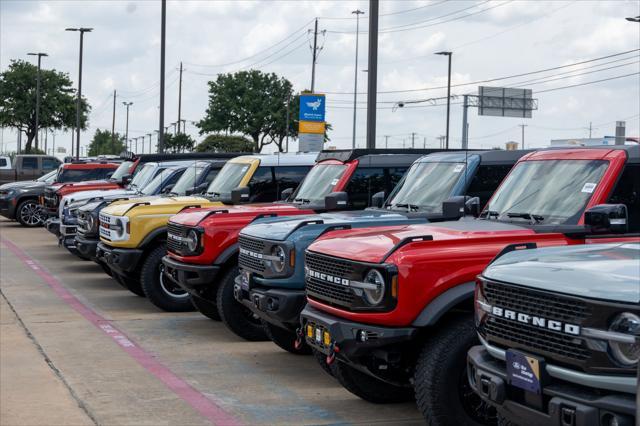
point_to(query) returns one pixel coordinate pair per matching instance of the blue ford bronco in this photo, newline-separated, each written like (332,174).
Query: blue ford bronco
(436,187)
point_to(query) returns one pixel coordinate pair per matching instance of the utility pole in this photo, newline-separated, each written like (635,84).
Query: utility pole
(126,129)
(148,134)
(522,126)
(386,141)
(286,134)
(19,142)
(73,143)
(314,56)
(180,98)
(590,129)
(113,124)
(465,124)
(355,78)
(53,134)
(46,133)
(424,142)
(163,36)
(79,100)
(413,139)
(448,54)
(39,55)
(372,86)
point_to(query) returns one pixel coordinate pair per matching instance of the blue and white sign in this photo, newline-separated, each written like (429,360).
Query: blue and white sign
(312,107)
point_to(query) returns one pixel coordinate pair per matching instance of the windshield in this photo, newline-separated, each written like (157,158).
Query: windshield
(49,177)
(319,182)
(188,180)
(551,191)
(123,169)
(228,179)
(426,186)
(143,176)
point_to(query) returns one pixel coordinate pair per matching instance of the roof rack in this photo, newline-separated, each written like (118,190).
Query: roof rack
(179,156)
(346,155)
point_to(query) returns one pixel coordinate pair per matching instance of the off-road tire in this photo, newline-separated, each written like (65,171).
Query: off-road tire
(368,387)
(443,393)
(322,361)
(285,339)
(27,213)
(503,421)
(236,316)
(206,308)
(158,288)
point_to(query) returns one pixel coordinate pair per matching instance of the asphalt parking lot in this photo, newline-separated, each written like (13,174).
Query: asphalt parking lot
(79,349)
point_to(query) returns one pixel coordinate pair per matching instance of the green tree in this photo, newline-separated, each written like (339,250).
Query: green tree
(251,103)
(178,143)
(225,143)
(57,100)
(103,144)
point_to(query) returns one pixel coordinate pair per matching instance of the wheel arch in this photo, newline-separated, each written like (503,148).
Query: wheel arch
(459,297)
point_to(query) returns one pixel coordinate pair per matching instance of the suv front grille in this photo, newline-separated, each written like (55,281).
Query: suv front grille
(326,291)
(513,334)
(245,260)
(50,198)
(175,245)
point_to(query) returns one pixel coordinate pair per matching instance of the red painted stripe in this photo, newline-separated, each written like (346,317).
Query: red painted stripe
(204,405)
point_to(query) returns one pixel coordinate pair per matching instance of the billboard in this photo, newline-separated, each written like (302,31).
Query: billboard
(312,107)
(505,102)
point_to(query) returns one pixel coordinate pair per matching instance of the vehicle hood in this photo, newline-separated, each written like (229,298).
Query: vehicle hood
(23,185)
(280,228)
(153,205)
(375,244)
(104,194)
(193,217)
(596,271)
(69,188)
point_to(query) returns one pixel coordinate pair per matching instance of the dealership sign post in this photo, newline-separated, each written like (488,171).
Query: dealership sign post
(311,126)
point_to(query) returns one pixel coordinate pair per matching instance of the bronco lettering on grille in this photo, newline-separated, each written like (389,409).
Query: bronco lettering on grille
(325,277)
(536,321)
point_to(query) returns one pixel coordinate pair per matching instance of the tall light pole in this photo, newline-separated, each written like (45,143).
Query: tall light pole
(39,55)
(449,54)
(126,131)
(79,100)
(357,12)
(372,69)
(163,36)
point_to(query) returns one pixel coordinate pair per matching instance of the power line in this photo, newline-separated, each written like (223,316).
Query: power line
(336,18)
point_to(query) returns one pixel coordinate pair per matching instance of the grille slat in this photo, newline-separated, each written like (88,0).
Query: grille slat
(526,336)
(326,291)
(249,262)
(176,246)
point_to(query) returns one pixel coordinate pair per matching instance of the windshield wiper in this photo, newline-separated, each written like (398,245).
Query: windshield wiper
(409,207)
(302,200)
(536,217)
(490,213)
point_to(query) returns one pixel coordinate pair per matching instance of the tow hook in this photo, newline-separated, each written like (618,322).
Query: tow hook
(299,336)
(333,350)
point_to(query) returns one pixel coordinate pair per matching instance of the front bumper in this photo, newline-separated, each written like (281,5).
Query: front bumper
(353,340)
(194,279)
(121,260)
(279,306)
(564,402)
(53,225)
(86,247)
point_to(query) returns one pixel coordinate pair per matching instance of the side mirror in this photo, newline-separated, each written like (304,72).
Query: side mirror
(167,189)
(378,199)
(284,195)
(240,195)
(126,179)
(454,208)
(607,218)
(336,201)
(472,207)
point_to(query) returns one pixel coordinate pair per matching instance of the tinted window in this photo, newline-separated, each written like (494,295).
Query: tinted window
(485,182)
(627,191)
(30,163)
(49,163)
(3,162)
(363,184)
(289,177)
(261,186)
(211,174)
(102,173)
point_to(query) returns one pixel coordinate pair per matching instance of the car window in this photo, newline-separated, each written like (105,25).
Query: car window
(486,180)
(102,173)
(211,174)
(261,185)
(365,182)
(627,192)
(3,162)
(49,164)
(319,182)
(30,163)
(289,177)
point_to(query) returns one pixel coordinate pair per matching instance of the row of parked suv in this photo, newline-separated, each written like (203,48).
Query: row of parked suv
(491,286)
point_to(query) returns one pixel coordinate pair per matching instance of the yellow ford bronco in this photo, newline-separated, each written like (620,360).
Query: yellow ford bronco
(133,232)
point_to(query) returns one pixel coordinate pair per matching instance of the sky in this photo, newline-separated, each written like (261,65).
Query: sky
(490,40)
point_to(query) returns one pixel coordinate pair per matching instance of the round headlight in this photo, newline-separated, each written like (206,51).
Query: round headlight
(374,295)
(91,222)
(626,354)
(118,227)
(192,241)
(280,257)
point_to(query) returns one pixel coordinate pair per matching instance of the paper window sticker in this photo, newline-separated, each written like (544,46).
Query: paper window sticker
(334,182)
(458,168)
(588,187)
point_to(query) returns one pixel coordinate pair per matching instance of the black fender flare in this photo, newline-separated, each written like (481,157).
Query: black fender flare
(153,235)
(227,254)
(443,303)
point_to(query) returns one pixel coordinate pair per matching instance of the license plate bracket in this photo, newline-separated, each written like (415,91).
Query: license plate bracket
(245,280)
(524,371)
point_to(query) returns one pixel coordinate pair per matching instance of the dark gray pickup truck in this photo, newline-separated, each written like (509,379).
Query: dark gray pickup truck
(29,167)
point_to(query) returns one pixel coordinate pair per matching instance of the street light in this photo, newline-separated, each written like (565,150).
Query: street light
(78,102)
(636,19)
(449,54)
(126,132)
(39,55)
(357,12)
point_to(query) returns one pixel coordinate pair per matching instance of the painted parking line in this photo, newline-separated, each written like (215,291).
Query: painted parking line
(201,403)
